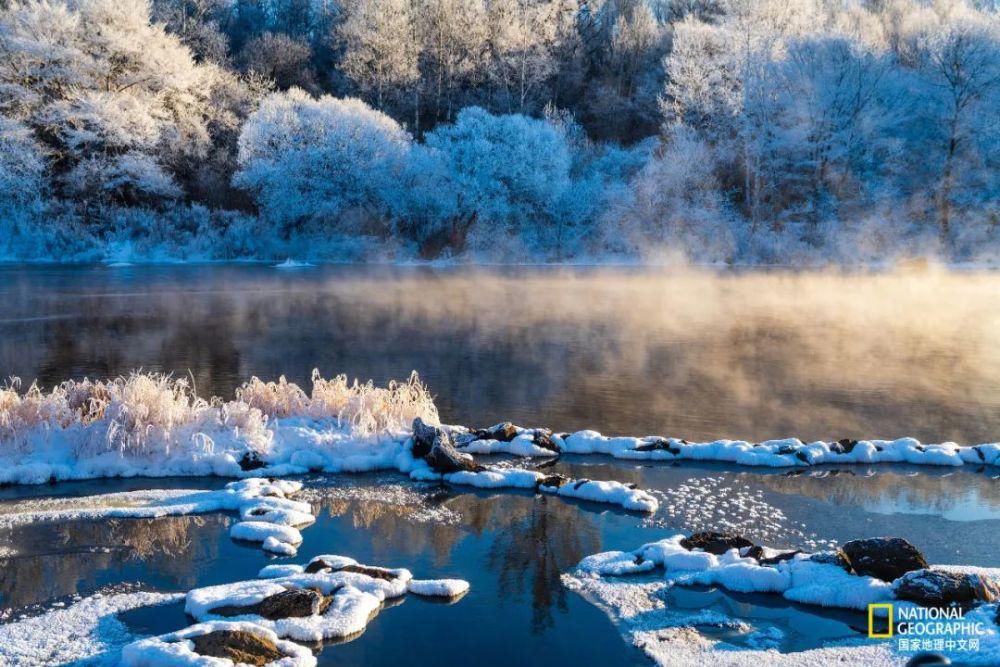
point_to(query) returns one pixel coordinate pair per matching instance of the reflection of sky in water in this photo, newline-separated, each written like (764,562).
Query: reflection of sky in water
(967,506)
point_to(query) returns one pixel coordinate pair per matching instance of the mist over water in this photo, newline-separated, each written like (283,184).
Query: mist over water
(694,354)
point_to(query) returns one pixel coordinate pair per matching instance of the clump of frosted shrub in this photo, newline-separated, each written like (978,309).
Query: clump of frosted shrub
(367,409)
(141,414)
(153,413)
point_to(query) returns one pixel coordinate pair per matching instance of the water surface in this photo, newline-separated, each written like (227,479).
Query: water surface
(699,355)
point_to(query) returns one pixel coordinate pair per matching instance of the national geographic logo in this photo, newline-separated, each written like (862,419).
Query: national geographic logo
(872,634)
(915,628)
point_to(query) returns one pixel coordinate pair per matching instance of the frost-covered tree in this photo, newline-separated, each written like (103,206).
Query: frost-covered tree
(324,162)
(22,168)
(119,103)
(452,37)
(510,171)
(282,59)
(961,61)
(380,49)
(524,40)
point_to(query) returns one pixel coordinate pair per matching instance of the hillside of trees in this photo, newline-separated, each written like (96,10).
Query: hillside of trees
(749,131)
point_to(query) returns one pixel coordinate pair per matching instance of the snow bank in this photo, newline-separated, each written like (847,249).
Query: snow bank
(176,649)
(782,453)
(85,631)
(798,578)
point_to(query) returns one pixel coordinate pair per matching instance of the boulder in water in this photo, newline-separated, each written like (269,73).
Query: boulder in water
(885,558)
(936,588)
(715,543)
(292,603)
(423,437)
(444,458)
(242,648)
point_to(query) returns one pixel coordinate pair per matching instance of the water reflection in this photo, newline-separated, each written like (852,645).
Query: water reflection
(60,559)
(697,355)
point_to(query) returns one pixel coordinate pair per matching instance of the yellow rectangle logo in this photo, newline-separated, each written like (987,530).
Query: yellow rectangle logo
(871,620)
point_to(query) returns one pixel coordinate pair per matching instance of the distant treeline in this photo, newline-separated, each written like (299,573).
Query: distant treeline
(729,130)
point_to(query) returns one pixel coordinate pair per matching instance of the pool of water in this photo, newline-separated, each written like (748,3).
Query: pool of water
(696,355)
(512,547)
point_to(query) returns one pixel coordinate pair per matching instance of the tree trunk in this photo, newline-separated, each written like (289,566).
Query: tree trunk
(944,195)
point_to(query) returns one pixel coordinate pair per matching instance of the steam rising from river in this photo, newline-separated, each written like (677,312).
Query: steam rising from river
(696,354)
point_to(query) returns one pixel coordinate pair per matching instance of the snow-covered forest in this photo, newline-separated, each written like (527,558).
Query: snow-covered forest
(500,130)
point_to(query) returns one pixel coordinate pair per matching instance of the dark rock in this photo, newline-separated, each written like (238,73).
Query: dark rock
(837,558)
(504,432)
(242,648)
(934,588)
(785,450)
(444,458)
(371,571)
(319,564)
(423,437)
(928,660)
(555,481)
(660,444)
(291,603)
(801,456)
(715,543)
(543,438)
(774,560)
(885,558)
(843,446)
(251,461)
(979,453)
(757,553)
(579,483)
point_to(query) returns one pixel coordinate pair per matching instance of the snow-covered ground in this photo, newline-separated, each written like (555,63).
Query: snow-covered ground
(97,635)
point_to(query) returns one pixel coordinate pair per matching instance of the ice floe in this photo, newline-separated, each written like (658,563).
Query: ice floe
(446,588)
(272,515)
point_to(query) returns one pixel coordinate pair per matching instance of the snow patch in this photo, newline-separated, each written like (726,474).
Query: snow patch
(96,634)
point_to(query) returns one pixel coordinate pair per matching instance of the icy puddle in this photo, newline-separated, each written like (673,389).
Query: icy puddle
(514,548)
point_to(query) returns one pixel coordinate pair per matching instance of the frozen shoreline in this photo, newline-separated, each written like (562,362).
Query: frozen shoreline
(299,445)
